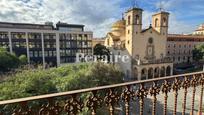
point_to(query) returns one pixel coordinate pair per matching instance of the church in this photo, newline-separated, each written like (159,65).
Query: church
(145,47)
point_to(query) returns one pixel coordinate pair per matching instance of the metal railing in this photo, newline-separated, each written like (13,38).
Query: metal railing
(107,98)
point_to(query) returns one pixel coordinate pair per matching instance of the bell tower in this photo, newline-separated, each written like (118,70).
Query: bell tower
(133,19)
(160,22)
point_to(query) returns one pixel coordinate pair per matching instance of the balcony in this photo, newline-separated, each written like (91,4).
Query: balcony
(153,61)
(137,97)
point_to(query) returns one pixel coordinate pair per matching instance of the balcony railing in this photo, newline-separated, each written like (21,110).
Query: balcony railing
(108,98)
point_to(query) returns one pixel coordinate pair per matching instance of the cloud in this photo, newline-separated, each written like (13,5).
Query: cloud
(96,15)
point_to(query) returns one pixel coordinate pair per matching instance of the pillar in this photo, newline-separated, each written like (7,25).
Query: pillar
(58,49)
(10,42)
(139,75)
(172,70)
(27,48)
(43,49)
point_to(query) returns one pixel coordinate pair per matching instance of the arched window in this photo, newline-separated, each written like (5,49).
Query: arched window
(164,22)
(108,42)
(137,18)
(156,22)
(129,20)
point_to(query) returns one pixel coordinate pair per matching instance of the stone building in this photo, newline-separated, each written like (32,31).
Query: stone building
(97,41)
(180,47)
(200,30)
(145,47)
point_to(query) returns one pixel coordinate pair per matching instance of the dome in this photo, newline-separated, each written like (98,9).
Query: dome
(119,24)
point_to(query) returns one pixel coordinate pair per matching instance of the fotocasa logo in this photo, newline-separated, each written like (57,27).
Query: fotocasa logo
(81,57)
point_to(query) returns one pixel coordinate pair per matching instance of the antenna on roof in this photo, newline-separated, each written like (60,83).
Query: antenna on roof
(161,6)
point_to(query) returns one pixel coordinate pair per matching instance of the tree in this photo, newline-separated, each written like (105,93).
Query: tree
(101,50)
(198,52)
(8,61)
(23,59)
(34,82)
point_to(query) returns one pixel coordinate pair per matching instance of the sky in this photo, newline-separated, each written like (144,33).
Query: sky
(99,15)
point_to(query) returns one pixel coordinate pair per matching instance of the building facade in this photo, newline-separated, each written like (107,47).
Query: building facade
(200,30)
(97,41)
(180,47)
(46,44)
(145,47)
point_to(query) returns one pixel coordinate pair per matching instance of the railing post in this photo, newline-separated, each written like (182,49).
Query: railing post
(176,86)
(141,94)
(94,102)
(127,96)
(111,99)
(166,88)
(194,83)
(185,85)
(154,91)
(201,94)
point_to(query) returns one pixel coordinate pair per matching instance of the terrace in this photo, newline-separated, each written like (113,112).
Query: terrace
(182,93)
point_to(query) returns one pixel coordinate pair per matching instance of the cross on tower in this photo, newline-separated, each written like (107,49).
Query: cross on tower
(135,4)
(161,6)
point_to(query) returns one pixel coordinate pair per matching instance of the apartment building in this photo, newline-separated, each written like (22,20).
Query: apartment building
(180,47)
(44,43)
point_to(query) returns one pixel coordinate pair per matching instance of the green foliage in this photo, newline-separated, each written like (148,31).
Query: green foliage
(65,78)
(8,61)
(198,52)
(101,50)
(2,49)
(23,59)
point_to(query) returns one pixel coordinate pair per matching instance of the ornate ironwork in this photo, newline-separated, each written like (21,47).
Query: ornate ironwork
(127,96)
(74,105)
(194,83)
(111,99)
(154,91)
(176,87)
(94,102)
(201,94)
(141,94)
(23,110)
(50,108)
(166,88)
(185,86)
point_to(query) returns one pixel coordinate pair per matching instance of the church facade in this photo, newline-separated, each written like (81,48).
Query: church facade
(145,47)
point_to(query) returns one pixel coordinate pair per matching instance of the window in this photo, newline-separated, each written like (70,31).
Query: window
(108,42)
(164,22)
(137,18)
(168,52)
(150,40)
(179,58)
(156,22)
(129,20)
(173,58)
(36,53)
(168,46)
